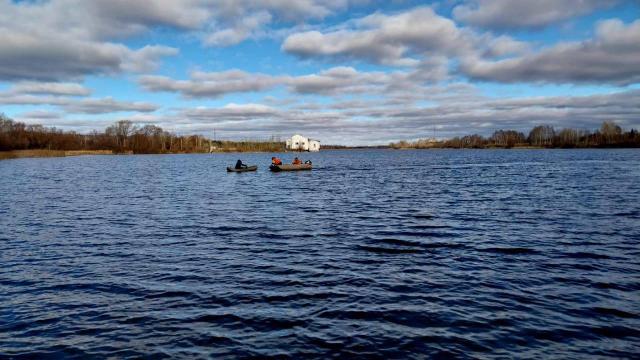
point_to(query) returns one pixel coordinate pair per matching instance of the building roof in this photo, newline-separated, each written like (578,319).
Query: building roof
(302,136)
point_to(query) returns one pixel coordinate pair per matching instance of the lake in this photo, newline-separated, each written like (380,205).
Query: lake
(372,254)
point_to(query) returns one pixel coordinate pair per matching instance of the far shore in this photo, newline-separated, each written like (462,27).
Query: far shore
(43,153)
(19,140)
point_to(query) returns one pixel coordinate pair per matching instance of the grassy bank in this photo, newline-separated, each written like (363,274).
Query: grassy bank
(223,147)
(87,152)
(16,154)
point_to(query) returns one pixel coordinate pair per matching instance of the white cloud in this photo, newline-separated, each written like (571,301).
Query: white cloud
(210,85)
(611,57)
(385,39)
(106,105)
(48,88)
(338,80)
(67,39)
(101,19)
(39,115)
(504,45)
(147,58)
(238,31)
(330,82)
(77,105)
(230,22)
(511,14)
(46,57)
(230,112)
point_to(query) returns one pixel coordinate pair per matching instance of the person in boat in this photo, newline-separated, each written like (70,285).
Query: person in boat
(240,165)
(276,161)
(296,161)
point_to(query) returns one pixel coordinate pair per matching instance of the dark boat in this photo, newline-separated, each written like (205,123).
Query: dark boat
(249,168)
(290,167)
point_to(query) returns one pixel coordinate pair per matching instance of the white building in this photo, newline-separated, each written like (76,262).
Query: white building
(314,145)
(301,143)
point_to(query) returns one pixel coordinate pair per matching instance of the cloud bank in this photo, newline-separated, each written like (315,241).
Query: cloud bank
(347,71)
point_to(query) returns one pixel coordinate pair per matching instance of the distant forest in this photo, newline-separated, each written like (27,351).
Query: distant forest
(125,137)
(545,136)
(121,137)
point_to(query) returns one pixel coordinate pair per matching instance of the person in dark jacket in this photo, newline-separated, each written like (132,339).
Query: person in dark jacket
(240,165)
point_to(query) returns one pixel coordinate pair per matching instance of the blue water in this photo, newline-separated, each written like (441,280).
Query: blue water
(373,254)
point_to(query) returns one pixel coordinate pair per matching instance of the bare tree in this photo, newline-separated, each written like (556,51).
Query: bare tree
(610,131)
(542,135)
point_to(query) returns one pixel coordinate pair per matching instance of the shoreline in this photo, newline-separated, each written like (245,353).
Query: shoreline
(40,153)
(43,153)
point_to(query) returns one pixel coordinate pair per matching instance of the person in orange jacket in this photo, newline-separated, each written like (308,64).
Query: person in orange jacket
(296,161)
(276,161)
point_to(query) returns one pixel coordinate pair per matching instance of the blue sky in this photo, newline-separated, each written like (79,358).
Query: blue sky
(344,71)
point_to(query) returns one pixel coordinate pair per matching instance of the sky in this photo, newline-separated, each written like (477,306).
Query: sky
(349,72)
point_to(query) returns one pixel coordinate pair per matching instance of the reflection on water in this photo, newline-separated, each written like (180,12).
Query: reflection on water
(372,254)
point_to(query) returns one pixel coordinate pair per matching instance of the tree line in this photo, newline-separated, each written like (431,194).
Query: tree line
(122,137)
(125,137)
(609,135)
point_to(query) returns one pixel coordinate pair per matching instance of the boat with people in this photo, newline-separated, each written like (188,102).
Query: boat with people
(296,165)
(244,169)
(276,166)
(290,167)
